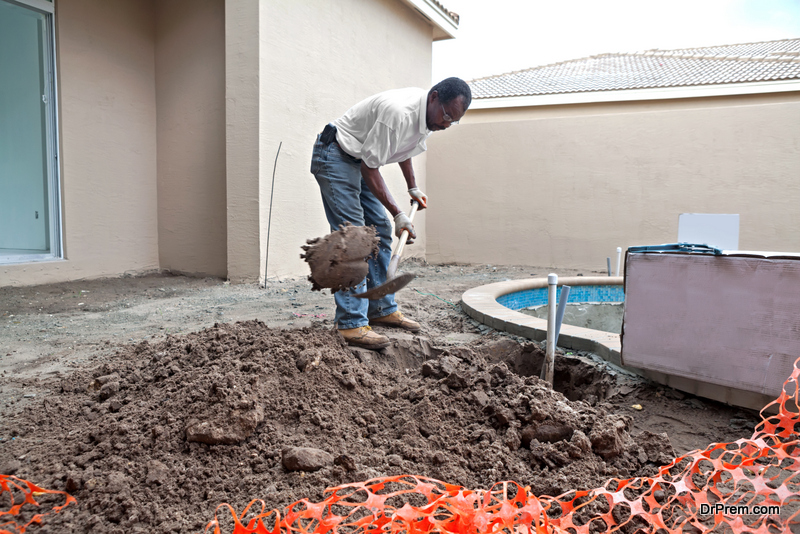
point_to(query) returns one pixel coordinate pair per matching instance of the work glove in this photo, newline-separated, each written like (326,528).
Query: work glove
(417,194)
(402,222)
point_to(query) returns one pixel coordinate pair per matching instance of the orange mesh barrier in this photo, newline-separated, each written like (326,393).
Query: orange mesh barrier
(745,486)
(12,488)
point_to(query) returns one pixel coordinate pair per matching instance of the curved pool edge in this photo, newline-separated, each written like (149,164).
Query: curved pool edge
(481,304)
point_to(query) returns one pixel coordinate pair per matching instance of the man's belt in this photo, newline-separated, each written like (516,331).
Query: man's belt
(328,136)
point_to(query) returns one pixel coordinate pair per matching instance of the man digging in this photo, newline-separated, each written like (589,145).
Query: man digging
(390,127)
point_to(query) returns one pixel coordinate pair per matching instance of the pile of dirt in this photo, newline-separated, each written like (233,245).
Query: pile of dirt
(162,432)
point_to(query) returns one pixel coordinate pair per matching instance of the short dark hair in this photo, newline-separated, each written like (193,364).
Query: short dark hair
(450,89)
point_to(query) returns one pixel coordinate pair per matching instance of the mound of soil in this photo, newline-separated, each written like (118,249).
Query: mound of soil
(162,432)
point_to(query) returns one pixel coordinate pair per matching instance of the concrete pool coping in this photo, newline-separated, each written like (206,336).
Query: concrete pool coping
(481,304)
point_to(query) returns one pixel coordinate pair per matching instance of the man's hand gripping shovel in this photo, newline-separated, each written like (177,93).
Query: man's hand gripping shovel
(394,282)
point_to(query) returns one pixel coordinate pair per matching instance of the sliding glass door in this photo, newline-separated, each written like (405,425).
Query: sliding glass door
(30,228)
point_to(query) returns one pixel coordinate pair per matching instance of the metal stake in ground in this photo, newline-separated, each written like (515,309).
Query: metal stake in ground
(393,283)
(269,221)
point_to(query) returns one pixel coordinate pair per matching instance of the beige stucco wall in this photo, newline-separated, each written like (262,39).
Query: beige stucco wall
(171,113)
(314,60)
(107,98)
(190,93)
(243,147)
(563,186)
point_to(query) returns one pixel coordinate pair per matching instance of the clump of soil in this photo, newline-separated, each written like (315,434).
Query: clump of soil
(155,438)
(339,260)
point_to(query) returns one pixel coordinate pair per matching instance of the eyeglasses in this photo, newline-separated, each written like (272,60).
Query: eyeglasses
(446,117)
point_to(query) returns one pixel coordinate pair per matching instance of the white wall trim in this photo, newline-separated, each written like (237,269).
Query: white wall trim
(447,26)
(660,93)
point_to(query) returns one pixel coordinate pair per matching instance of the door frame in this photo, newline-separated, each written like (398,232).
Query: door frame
(52,165)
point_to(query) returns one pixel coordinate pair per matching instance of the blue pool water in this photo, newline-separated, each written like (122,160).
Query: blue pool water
(577,294)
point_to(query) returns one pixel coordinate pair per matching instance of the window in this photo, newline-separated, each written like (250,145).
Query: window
(30,215)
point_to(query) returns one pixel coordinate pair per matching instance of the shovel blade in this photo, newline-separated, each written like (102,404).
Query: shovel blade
(387,288)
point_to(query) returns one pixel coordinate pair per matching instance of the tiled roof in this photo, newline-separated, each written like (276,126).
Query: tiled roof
(452,14)
(738,63)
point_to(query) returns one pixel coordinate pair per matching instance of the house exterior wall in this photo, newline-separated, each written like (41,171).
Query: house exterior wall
(107,102)
(563,186)
(190,103)
(313,60)
(171,113)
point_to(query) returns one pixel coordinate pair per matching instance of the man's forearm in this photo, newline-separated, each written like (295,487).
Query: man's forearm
(408,173)
(378,187)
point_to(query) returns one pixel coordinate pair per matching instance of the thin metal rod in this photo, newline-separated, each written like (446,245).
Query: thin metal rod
(269,220)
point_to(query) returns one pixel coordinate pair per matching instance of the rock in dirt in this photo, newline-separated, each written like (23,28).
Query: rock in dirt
(308,359)
(581,441)
(305,459)
(609,435)
(657,447)
(394,459)
(10,467)
(480,398)
(157,473)
(553,433)
(227,430)
(108,390)
(339,260)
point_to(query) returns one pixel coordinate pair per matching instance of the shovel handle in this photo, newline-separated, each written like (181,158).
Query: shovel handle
(395,261)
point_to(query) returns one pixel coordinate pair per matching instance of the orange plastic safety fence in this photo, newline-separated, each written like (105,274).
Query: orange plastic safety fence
(746,486)
(21,492)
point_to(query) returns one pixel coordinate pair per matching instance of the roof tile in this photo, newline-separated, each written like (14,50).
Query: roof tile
(452,14)
(737,63)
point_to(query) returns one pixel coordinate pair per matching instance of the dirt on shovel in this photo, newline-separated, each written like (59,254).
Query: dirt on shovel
(339,260)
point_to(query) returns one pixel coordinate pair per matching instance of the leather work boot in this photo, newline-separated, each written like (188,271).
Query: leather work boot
(397,320)
(364,337)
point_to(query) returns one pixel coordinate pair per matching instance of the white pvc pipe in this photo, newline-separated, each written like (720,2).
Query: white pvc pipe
(550,352)
(619,260)
(562,307)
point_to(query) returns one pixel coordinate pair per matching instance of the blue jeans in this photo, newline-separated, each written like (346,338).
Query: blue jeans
(346,197)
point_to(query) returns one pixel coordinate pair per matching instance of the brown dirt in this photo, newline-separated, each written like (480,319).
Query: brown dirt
(338,260)
(153,399)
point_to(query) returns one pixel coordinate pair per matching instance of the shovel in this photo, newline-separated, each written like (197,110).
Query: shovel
(393,283)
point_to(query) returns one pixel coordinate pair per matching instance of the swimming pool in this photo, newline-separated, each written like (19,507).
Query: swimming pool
(577,294)
(598,307)
(497,305)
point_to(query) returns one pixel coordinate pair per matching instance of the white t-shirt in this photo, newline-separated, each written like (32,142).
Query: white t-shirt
(389,127)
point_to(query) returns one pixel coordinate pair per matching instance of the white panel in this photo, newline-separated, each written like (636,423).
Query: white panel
(715,230)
